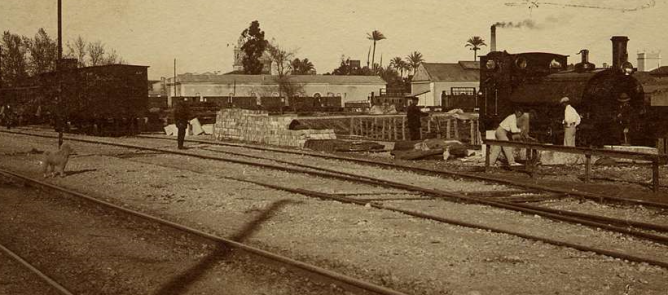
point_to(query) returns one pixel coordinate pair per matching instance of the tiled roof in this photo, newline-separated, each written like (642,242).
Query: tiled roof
(453,72)
(271,79)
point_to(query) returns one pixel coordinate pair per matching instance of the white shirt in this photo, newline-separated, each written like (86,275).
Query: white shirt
(510,124)
(571,117)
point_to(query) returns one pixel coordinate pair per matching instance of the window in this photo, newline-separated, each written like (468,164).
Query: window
(463,91)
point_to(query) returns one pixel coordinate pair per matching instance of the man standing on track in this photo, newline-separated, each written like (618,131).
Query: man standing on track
(571,121)
(181,118)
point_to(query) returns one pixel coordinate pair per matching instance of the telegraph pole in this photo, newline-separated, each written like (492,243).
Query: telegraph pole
(59,114)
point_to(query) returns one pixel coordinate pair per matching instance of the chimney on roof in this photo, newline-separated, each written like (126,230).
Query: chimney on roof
(493,38)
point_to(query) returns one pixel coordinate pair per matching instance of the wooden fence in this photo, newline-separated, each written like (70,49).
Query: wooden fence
(394,127)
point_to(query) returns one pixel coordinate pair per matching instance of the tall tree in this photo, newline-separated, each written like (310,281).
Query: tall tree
(253,46)
(280,57)
(77,50)
(43,53)
(414,60)
(302,67)
(96,53)
(399,64)
(475,43)
(375,36)
(14,64)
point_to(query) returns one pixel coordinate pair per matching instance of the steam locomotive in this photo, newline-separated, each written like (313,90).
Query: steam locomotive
(615,103)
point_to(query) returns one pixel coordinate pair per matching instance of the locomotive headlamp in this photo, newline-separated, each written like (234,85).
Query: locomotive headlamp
(490,65)
(627,68)
(554,64)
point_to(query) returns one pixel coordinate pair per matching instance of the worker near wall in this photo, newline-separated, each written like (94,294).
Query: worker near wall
(571,121)
(181,118)
(413,115)
(507,128)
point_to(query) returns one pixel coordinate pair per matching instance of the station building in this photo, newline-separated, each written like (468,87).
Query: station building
(202,86)
(434,83)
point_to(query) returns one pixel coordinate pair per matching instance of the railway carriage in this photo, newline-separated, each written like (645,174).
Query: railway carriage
(106,100)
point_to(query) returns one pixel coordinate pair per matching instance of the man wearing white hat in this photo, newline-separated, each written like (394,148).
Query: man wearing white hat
(571,121)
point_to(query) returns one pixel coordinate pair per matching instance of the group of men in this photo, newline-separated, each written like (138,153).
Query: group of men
(511,127)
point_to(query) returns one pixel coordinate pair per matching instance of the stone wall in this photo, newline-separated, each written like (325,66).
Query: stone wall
(258,126)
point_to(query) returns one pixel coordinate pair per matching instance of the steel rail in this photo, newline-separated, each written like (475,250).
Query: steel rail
(467,175)
(231,243)
(326,196)
(627,222)
(372,181)
(36,271)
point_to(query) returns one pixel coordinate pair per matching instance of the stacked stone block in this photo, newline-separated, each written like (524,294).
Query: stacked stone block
(258,126)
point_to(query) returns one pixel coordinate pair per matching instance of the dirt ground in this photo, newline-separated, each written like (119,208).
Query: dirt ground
(409,254)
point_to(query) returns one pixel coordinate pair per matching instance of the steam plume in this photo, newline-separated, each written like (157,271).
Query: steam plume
(527,23)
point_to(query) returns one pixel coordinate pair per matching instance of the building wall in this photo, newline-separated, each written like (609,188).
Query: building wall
(347,92)
(439,87)
(648,61)
(419,87)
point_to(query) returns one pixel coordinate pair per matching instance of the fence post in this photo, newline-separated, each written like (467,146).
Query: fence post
(403,128)
(352,126)
(447,130)
(455,127)
(655,174)
(488,151)
(587,165)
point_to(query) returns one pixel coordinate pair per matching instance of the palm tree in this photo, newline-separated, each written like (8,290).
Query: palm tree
(375,36)
(399,64)
(302,67)
(475,42)
(414,60)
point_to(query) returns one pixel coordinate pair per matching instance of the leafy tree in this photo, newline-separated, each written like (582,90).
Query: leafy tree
(77,50)
(112,58)
(14,64)
(253,46)
(43,53)
(280,57)
(414,60)
(475,43)
(302,67)
(375,36)
(96,53)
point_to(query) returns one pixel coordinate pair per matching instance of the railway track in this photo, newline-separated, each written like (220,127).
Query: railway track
(217,250)
(644,230)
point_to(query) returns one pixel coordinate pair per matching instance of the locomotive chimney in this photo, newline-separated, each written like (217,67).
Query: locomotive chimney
(493,37)
(619,52)
(585,56)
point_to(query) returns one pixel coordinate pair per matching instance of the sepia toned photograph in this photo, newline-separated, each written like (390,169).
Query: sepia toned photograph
(311,147)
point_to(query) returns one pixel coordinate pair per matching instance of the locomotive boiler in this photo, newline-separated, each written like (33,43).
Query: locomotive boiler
(613,102)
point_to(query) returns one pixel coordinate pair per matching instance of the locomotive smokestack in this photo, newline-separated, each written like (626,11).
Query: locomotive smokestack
(585,56)
(493,38)
(619,53)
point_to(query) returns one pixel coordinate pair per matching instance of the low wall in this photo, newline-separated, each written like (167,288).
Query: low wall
(258,126)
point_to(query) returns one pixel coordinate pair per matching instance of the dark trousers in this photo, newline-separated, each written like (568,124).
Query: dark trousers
(414,133)
(181,134)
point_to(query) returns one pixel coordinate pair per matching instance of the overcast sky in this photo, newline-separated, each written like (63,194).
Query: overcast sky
(201,34)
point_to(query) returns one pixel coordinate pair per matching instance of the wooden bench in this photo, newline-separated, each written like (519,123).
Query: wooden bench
(587,152)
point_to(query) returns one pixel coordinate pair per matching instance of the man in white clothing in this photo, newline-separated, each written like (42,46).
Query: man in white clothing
(506,128)
(571,121)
